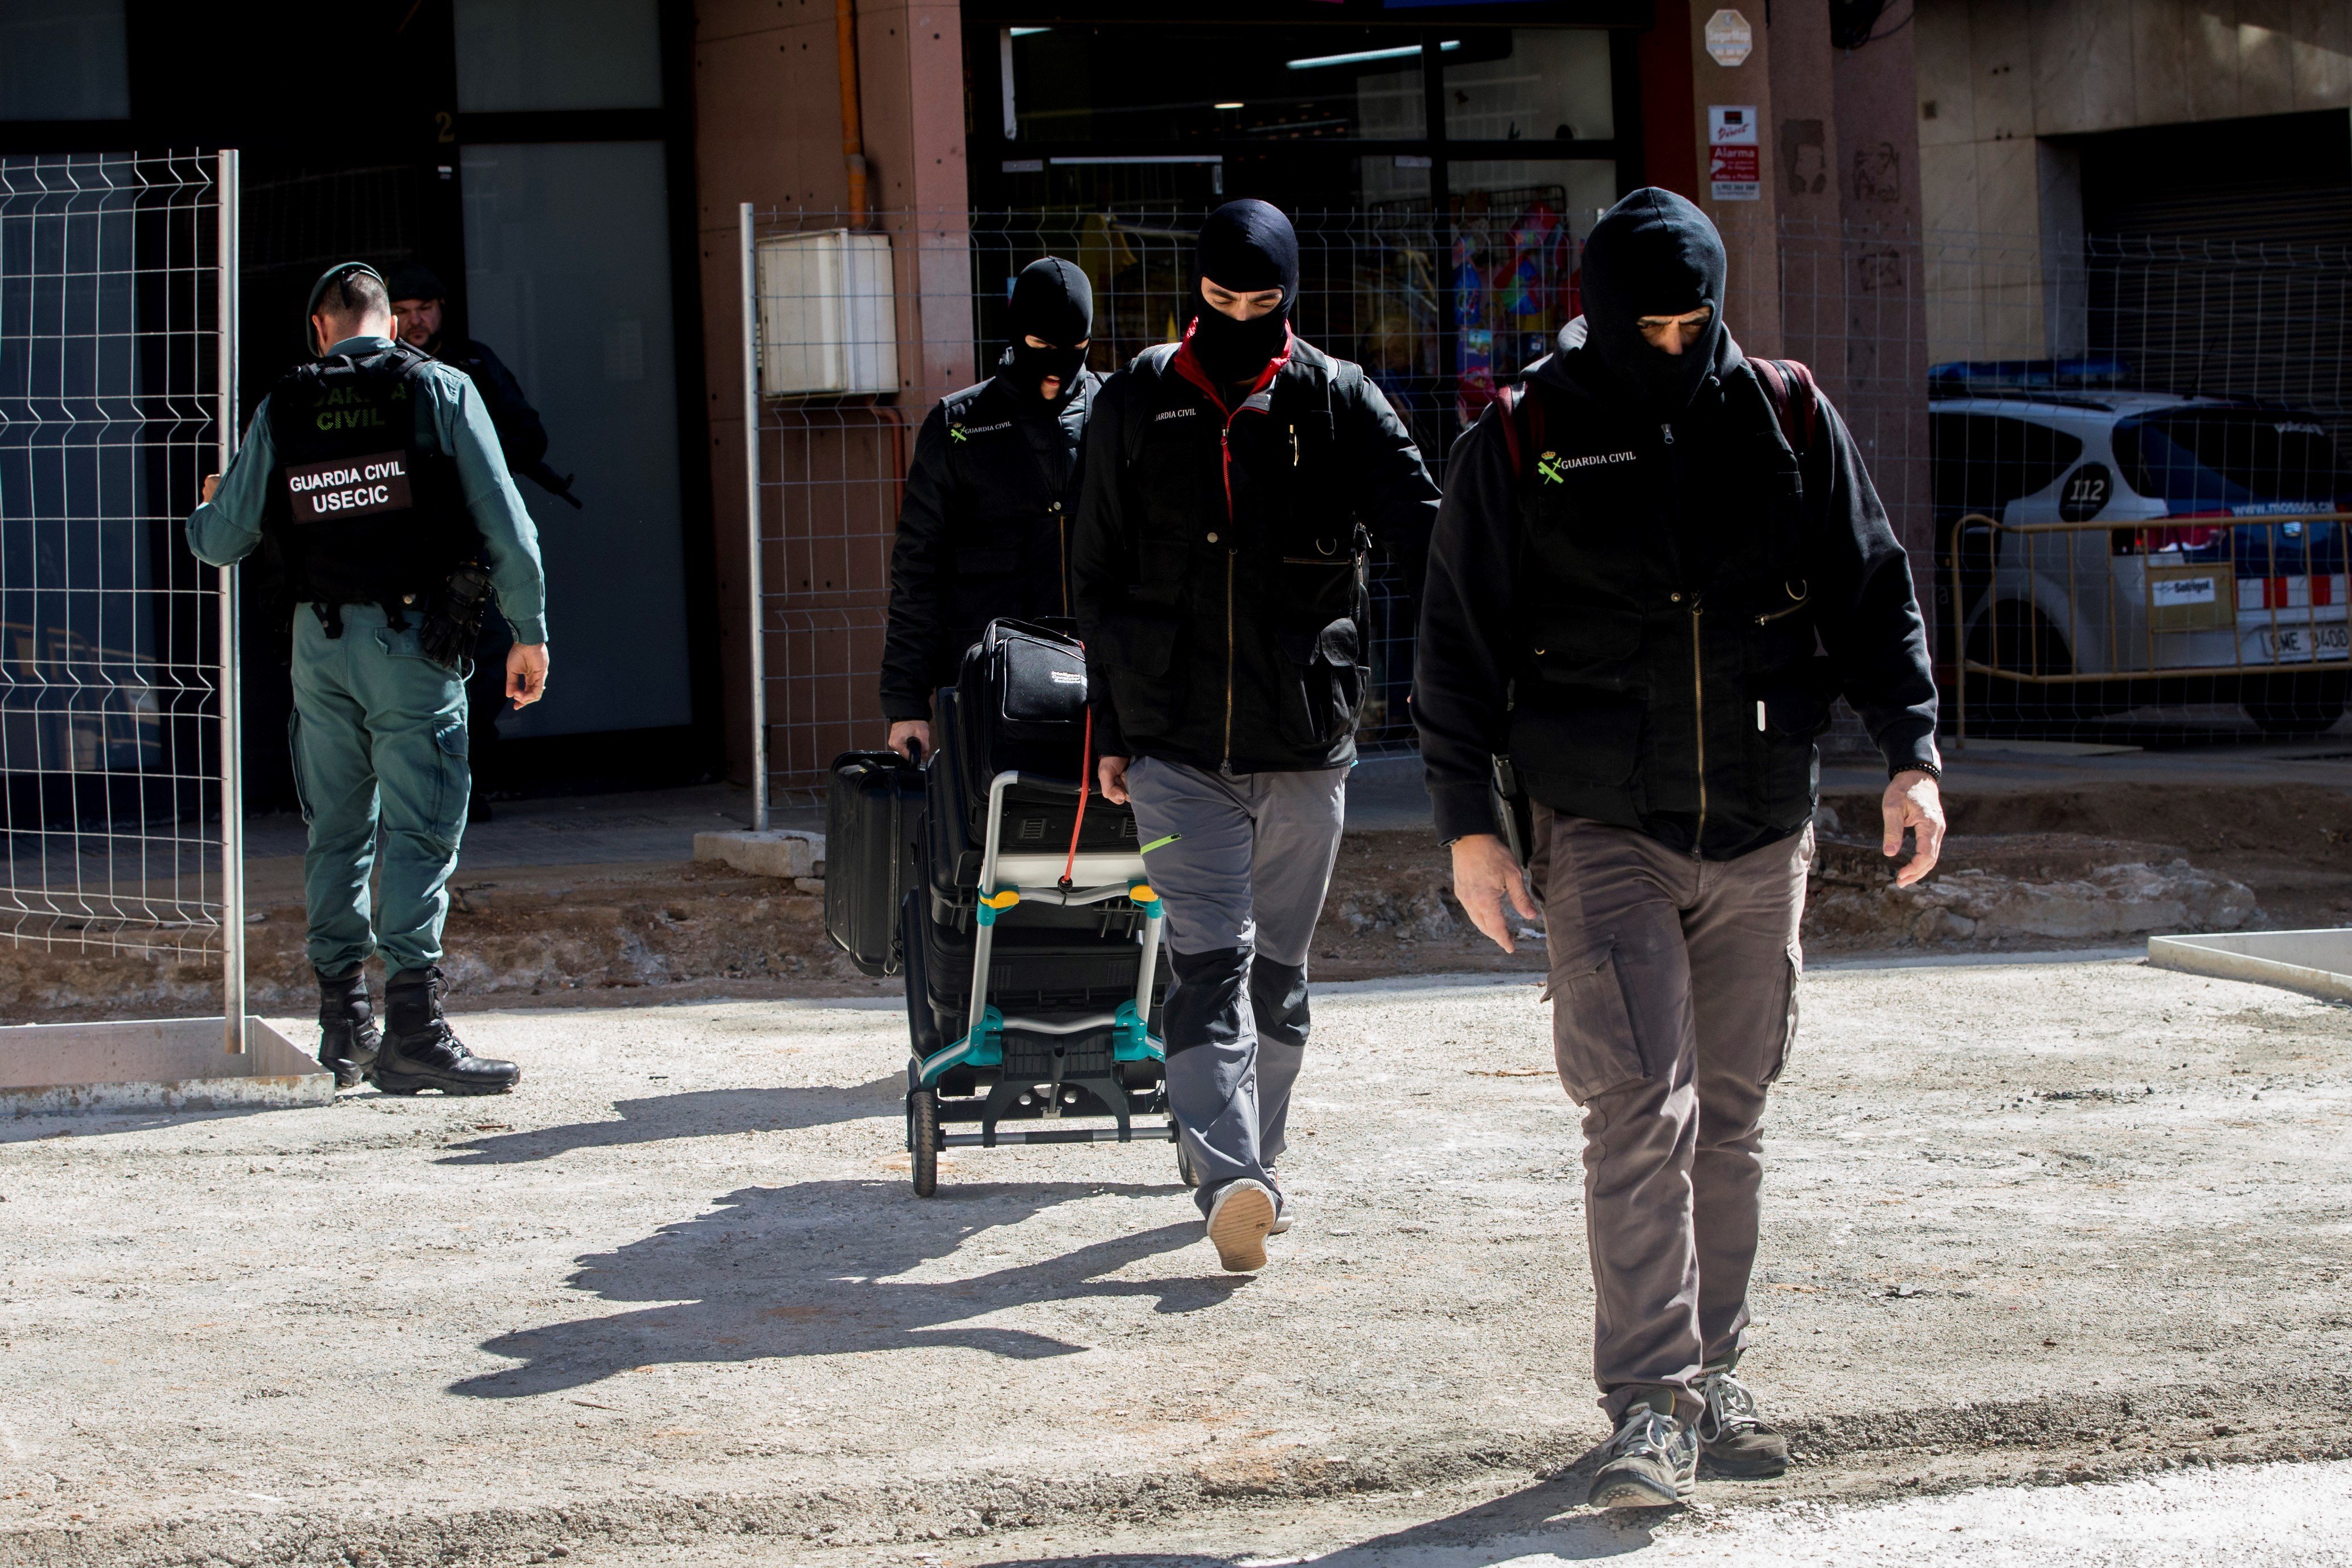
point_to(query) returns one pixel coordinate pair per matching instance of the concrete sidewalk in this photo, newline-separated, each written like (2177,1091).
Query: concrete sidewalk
(2026,1222)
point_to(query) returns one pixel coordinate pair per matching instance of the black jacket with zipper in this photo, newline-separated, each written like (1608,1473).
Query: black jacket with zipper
(1653,621)
(1222,556)
(985,532)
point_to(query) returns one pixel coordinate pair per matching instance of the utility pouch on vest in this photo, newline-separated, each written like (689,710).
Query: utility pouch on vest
(453,625)
(1514,816)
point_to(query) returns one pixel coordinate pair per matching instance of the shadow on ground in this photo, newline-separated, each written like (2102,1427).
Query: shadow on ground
(702,1113)
(812,1269)
(1545,1519)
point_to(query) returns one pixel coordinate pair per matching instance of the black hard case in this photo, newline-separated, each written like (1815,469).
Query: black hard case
(873,824)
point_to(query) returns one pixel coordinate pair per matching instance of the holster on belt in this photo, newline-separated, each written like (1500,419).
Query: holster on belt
(1514,813)
(453,621)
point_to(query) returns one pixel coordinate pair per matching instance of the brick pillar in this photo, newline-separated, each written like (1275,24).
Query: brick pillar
(1749,228)
(767,130)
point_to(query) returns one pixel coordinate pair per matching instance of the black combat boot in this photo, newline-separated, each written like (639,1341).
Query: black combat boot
(419,1051)
(348,1036)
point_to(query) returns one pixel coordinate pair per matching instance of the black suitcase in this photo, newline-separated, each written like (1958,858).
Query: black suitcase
(873,823)
(1037,816)
(1022,699)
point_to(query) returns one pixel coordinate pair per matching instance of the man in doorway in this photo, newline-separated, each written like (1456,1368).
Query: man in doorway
(1636,563)
(372,477)
(985,532)
(420,307)
(1237,482)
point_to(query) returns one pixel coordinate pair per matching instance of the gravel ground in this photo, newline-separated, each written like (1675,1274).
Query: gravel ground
(2029,1223)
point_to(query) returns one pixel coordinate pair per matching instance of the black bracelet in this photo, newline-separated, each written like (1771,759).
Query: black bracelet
(1930,769)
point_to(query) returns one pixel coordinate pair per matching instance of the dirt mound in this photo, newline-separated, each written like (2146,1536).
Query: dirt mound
(2039,868)
(535,936)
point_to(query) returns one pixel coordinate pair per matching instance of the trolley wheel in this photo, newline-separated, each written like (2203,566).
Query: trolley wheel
(1190,1177)
(923,1139)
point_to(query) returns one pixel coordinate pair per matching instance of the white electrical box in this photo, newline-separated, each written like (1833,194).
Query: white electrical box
(828,321)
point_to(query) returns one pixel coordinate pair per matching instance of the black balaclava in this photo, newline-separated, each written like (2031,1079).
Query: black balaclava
(1246,245)
(1654,254)
(1053,300)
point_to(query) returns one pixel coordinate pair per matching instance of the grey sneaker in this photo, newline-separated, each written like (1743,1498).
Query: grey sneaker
(1240,1215)
(1652,1462)
(1735,1439)
(1281,1207)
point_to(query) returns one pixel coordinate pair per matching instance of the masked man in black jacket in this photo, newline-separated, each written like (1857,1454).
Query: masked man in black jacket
(1235,483)
(985,529)
(1651,577)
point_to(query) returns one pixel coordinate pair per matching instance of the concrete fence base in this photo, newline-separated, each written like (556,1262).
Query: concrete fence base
(2316,962)
(159,1065)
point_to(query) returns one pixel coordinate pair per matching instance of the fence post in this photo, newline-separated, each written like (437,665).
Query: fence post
(757,629)
(232,719)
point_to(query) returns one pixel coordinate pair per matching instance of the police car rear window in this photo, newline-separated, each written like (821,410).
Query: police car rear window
(2208,458)
(1981,462)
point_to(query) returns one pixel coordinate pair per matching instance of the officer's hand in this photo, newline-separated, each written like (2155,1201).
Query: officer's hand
(911,738)
(527,673)
(1913,800)
(1485,874)
(1112,772)
(211,483)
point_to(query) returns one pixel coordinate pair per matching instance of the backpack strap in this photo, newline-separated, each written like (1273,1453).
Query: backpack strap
(1523,424)
(1796,400)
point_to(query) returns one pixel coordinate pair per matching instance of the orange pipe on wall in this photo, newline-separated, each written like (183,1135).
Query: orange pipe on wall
(852,135)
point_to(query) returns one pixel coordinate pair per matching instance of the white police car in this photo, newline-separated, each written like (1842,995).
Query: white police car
(2217,572)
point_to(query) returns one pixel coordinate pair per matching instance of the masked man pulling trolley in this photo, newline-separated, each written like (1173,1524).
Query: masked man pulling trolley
(985,529)
(1235,484)
(1653,573)
(372,478)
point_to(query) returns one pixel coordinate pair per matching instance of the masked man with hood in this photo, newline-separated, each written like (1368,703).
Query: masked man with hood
(985,532)
(1654,571)
(1237,482)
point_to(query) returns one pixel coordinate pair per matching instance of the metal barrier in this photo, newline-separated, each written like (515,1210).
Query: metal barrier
(118,741)
(2212,608)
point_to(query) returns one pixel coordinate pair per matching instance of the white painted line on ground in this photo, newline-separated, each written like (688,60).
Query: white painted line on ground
(2281,1516)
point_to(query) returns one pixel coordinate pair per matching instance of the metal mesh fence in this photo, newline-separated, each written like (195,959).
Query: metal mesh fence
(1992,384)
(2138,488)
(112,352)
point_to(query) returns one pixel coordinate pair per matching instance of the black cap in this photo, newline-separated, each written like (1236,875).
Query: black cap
(414,280)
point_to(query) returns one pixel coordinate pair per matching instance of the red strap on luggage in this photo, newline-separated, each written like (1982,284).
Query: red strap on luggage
(1085,787)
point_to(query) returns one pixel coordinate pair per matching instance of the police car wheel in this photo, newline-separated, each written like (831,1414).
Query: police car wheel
(923,1139)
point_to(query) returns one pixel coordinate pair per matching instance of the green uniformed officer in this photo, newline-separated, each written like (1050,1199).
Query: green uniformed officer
(371,480)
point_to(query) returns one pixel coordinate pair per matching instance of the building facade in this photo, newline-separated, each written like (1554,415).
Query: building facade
(574,171)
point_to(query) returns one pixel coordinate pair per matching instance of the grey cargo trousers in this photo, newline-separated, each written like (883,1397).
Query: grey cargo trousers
(1242,879)
(1674,993)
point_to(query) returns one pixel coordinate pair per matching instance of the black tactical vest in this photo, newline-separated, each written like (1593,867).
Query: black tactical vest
(1668,679)
(359,511)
